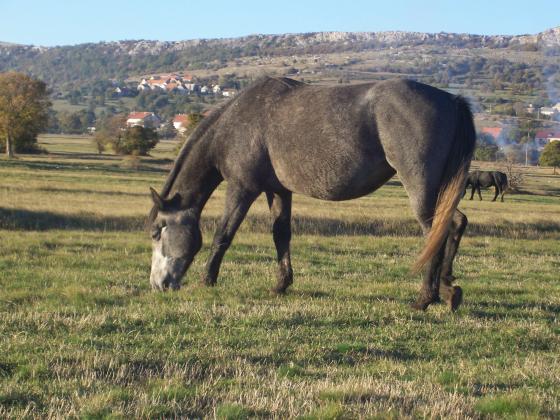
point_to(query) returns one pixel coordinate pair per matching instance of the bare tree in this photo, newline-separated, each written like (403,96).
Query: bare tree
(514,175)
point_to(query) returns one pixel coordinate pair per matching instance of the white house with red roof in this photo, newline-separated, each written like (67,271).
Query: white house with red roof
(167,82)
(229,93)
(181,122)
(495,132)
(143,119)
(543,137)
(175,87)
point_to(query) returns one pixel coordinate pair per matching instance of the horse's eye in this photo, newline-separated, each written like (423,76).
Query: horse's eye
(156,233)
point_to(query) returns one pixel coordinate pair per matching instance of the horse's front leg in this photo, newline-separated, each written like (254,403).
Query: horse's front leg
(473,188)
(281,209)
(478,191)
(238,202)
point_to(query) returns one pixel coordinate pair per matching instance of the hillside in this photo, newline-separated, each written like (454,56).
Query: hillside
(119,60)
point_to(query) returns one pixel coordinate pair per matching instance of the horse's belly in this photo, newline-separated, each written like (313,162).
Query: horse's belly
(334,179)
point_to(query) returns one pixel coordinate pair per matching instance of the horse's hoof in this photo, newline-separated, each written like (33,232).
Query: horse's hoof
(456,298)
(207,281)
(279,291)
(420,305)
(285,280)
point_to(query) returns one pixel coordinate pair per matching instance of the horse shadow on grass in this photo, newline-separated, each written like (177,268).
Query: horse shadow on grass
(89,191)
(30,220)
(115,165)
(22,219)
(499,311)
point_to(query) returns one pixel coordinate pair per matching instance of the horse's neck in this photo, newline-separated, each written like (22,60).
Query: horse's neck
(197,179)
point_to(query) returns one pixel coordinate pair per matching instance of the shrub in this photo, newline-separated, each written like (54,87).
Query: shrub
(135,140)
(551,155)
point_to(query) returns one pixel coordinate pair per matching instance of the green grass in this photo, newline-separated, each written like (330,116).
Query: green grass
(82,335)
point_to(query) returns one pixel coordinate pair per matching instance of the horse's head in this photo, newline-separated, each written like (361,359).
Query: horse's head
(176,239)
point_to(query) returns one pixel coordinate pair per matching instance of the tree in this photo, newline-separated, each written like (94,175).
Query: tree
(550,155)
(167,131)
(135,141)
(76,122)
(486,147)
(194,119)
(24,107)
(486,152)
(108,131)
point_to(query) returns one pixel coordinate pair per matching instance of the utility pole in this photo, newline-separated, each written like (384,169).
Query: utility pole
(527,149)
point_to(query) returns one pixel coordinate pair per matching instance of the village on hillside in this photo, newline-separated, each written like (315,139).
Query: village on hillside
(181,122)
(181,84)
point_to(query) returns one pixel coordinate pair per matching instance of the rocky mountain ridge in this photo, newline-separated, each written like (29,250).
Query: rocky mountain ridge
(548,39)
(119,59)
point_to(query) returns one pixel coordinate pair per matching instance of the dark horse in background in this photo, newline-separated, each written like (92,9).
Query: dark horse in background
(280,136)
(485,179)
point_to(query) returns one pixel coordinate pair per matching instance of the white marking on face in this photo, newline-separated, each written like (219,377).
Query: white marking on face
(161,265)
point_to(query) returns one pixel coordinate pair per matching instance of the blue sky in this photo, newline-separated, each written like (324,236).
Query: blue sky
(44,22)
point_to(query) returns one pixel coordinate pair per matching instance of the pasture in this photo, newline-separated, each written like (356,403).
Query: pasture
(82,334)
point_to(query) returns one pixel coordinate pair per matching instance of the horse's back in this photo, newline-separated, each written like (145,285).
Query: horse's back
(332,142)
(310,139)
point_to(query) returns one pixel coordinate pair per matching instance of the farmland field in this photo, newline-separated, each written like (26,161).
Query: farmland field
(82,334)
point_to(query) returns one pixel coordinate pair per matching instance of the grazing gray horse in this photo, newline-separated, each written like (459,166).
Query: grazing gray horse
(485,179)
(280,136)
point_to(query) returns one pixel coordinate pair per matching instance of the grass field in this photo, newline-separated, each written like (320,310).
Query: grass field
(82,334)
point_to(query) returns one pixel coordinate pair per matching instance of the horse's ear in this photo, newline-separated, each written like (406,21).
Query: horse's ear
(156,198)
(163,204)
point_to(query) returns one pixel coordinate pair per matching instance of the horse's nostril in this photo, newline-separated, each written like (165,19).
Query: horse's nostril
(165,284)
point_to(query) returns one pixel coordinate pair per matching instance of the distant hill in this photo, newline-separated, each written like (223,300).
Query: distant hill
(118,60)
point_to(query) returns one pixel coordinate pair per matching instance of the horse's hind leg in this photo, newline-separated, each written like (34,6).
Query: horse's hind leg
(423,199)
(423,194)
(452,294)
(429,292)
(238,202)
(281,209)
(496,192)
(502,192)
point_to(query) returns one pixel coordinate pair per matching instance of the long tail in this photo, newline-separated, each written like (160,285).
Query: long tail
(453,183)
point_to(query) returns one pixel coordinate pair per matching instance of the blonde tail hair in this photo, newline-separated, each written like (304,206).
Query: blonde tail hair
(453,183)
(447,202)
